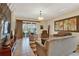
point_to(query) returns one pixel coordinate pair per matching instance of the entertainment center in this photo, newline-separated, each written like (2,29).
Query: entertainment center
(6,40)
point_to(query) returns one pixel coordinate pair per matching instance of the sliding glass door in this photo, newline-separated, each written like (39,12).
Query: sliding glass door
(29,28)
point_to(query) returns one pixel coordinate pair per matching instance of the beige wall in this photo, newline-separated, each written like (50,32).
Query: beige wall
(45,24)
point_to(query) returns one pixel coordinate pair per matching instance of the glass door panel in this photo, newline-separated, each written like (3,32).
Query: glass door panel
(29,28)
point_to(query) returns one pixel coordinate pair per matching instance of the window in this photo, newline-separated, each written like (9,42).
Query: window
(29,28)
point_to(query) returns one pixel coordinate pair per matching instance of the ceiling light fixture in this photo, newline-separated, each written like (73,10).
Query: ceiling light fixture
(40,17)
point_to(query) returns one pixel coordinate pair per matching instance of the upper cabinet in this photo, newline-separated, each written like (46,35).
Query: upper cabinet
(69,24)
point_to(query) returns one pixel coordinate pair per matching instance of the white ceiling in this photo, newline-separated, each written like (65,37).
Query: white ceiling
(49,10)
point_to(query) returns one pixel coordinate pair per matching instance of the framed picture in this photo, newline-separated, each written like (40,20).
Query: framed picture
(68,24)
(72,24)
(59,25)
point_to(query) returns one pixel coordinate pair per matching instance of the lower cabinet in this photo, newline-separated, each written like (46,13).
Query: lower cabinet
(5,52)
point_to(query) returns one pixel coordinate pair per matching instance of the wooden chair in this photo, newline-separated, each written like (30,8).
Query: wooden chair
(44,36)
(32,42)
(42,50)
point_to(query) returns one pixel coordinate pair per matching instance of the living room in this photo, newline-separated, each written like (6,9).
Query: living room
(58,22)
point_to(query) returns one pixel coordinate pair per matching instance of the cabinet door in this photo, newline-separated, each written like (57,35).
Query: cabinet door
(5,52)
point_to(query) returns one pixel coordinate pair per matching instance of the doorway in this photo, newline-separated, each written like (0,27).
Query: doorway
(28,28)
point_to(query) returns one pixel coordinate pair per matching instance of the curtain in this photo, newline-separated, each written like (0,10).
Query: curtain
(19,32)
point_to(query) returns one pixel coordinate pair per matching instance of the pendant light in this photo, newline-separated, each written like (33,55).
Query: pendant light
(40,17)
